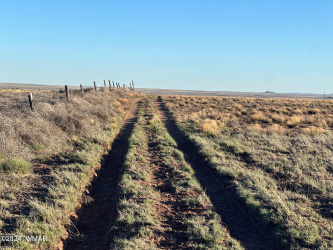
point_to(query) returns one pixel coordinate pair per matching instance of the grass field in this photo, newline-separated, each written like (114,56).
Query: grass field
(178,172)
(275,153)
(49,156)
(162,204)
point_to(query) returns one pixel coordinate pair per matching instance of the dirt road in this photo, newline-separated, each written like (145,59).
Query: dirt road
(99,206)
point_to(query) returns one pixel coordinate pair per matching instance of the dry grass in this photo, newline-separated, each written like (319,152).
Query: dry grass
(210,127)
(291,114)
(261,117)
(313,130)
(54,122)
(278,118)
(294,121)
(143,207)
(276,128)
(278,156)
(48,156)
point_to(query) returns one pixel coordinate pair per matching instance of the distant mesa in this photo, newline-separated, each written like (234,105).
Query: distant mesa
(269,92)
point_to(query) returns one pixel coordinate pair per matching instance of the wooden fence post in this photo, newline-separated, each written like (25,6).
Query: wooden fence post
(81,88)
(67,92)
(109,84)
(31,102)
(133,85)
(95,86)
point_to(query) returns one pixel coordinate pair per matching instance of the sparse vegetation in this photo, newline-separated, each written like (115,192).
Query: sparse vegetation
(49,156)
(276,154)
(147,197)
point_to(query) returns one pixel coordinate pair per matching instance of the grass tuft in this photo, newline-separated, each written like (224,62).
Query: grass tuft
(16,165)
(210,127)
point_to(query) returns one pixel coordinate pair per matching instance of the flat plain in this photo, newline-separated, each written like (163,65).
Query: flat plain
(115,169)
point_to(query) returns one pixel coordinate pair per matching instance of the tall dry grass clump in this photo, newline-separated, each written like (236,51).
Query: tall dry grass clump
(210,127)
(261,117)
(278,118)
(294,121)
(312,130)
(254,127)
(276,128)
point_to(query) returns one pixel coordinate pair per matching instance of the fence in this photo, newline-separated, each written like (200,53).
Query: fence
(82,90)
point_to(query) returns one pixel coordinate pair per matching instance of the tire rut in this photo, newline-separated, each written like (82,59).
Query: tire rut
(99,210)
(248,230)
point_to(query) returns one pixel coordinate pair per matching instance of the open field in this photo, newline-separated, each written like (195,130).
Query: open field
(151,91)
(274,154)
(178,172)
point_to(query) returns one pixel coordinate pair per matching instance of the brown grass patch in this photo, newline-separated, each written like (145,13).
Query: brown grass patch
(294,121)
(210,127)
(276,128)
(260,116)
(278,118)
(255,127)
(312,130)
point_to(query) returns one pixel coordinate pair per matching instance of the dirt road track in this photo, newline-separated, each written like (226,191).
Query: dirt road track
(99,208)
(249,231)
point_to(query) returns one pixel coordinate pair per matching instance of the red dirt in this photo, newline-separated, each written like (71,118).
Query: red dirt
(171,234)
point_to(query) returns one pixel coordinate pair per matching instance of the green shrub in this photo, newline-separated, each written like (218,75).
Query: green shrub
(16,165)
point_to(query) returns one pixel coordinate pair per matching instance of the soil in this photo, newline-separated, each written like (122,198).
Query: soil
(249,231)
(98,211)
(171,233)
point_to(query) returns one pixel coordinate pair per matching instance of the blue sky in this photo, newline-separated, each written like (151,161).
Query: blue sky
(281,46)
